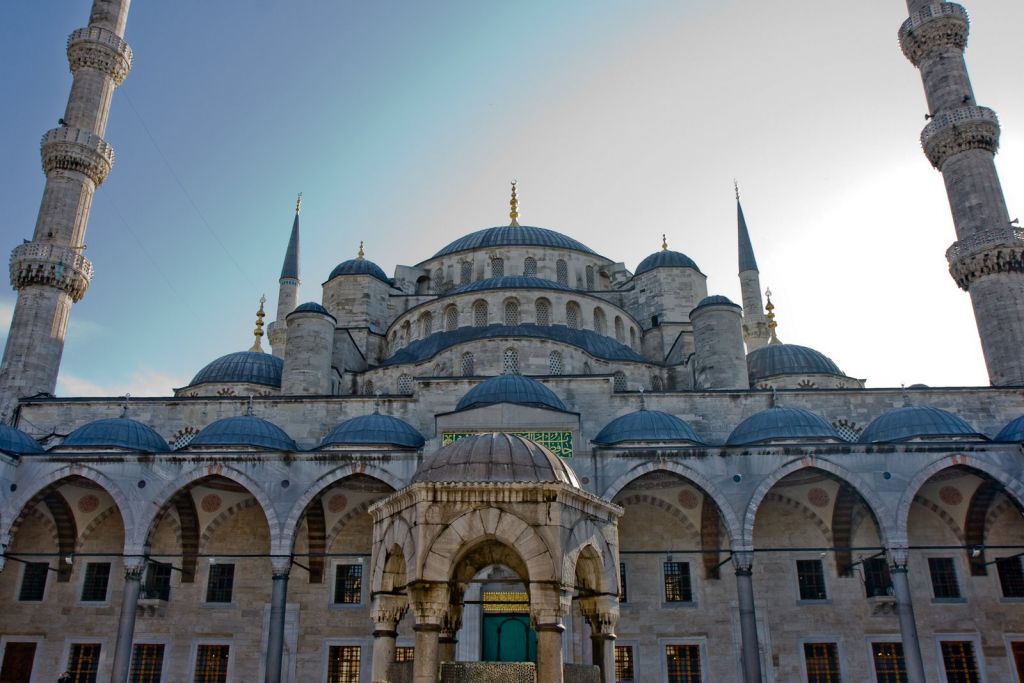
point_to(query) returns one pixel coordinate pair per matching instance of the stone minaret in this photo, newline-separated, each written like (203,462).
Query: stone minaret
(50,272)
(755,324)
(960,140)
(288,294)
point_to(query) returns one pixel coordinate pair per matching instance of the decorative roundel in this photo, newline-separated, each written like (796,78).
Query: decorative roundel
(688,499)
(585,480)
(818,497)
(337,503)
(950,495)
(88,503)
(211,502)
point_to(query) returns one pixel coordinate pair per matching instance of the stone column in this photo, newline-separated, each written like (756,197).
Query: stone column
(429,603)
(751,653)
(602,614)
(278,607)
(388,610)
(548,605)
(448,639)
(905,612)
(133,569)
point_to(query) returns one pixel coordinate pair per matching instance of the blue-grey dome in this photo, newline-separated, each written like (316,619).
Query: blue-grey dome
(117,432)
(17,442)
(375,429)
(253,367)
(513,236)
(510,389)
(1013,431)
(715,300)
(666,259)
(511,282)
(784,424)
(311,307)
(788,359)
(495,457)
(359,266)
(244,430)
(646,425)
(910,422)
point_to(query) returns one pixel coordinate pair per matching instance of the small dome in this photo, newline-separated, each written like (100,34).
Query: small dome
(516,389)
(244,430)
(788,359)
(117,432)
(252,367)
(311,307)
(17,442)
(646,425)
(511,282)
(782,424)
(513,236)
(1013,431)
(666,259)
(715,300)
(495,457)
(911,422)
(375,429)
(359,266)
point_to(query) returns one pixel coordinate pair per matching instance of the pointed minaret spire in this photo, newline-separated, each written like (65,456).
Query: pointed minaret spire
(258,332)
(755,326)
(746,249)
(288,290)
(514,204)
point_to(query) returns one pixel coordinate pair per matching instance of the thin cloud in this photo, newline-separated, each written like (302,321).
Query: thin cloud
(146,382)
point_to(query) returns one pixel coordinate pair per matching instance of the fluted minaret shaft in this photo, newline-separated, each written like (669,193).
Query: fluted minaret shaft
(50,272)
(961,140)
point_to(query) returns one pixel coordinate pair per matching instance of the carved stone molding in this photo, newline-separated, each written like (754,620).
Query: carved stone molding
(932,29)
(958,130)
(986,253)
(37,263)
(100,49)
(74,149)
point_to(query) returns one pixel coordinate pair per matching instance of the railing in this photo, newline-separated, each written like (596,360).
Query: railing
(952,117)
(929,12)
(79,136)
(53,253)
(104,36)
(979,241)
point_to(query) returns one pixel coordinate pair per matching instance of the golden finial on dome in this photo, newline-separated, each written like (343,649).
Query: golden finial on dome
(514,204)
(664,242)
(770,308)
(361,254)
(258,332)
(736,185)
(298,204)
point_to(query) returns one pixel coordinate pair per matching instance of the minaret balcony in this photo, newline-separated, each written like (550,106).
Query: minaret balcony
(75,149)
(957,130)
(933,28)
(986,252)
(40,263)
(100,49)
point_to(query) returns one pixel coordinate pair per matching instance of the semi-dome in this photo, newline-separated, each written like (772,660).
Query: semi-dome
(666,258)
(252,367)
(513,236)
(117,432)
(911,422)
(783,424)
(311,307)
(495,457)
(647,425)
(788,359)
(244,430)
(1013,431)
(516,389)
(15,441)
(375,429)
(359,266)
(511,282)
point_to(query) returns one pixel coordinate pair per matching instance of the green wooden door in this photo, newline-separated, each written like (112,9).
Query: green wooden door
(509,638)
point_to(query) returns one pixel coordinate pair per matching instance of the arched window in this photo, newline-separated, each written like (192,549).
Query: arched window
(426,324)
(656,383)
(465,272)
(587,370)
(620,330)
(562,272)
(406,332)
(511,311)
(600,324)
(572,315)
(619,381)
(632,337)
(405,385)
(451,318)
(423,285)
(543,307)
(555,363)
(510,362)
(368,388)
(530,267)
(468,365)
(480,313)
(590,277)
(438,277)
(497,267)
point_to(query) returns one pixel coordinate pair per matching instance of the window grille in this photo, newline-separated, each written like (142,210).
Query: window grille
(510,362)
(590,277)
(624,592)
(848,431)
(1011,576)
(183,437)
(468,365)
(600,325)
(619,381)
(451,319)
(555,363)
(632,337)
(683,663)
(405,385)
(822,662)
(810,576)
(572,315)
(221,583)
(889,664)
(426,324)
(97,577)
(877,582)
(959,661)
(83,662)
(562,272)
(343,663)
(405,653)
(620,330)
(480,314)
(438,280)
(158,581)
(656,383)
(624,664)
(465,272)
(943,573)
(543,308)
(147,663)
(497,267)
(368,388)
(530,267)
(677,582)
(212,663)
(511,312)
(348,584)
(33,581)
(587,369)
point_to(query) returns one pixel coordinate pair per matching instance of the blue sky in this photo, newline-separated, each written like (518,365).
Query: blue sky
(402,123)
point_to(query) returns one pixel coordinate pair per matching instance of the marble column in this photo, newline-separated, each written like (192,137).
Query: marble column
(448,639)
(905,613)
(427,655)
(429,603)
(278,607)
(602,614)
(388,610)
(743,561)
(134,567)
(548,606)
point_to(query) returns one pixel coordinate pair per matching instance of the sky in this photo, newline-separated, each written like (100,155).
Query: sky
(403,122)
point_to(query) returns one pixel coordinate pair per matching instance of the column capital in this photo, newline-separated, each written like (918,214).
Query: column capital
(601,613)
(429,602)
(743,561)
(134,567)
(281,566)
(387,611)
(898,557)
(549,603)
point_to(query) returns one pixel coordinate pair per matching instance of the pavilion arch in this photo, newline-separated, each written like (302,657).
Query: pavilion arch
(870,498)
(586,543)
(398,535)
(732,523)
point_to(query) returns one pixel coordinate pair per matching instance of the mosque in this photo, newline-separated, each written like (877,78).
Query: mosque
(516,460)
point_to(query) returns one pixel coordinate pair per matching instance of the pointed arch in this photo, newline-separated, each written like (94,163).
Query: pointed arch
(222,519)
(587,535)
(397,534)
(974,523)
(316,539)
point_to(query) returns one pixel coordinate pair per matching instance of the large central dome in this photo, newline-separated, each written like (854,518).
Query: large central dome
(514,235)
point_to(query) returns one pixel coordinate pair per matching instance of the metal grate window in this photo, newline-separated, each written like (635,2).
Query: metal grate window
(405,384)
(677,582)
(810,576)
(368,388)
(438,280)
(426,324)
(620,330)
(543,307)
(83,662)
(451,319)
(147,663)
(497,267)
(1011,576)
(465,272)
(158,582)
(572,315)
(480,314)
(562,272)
(468,365)
(632,337)
(656,383)
(221,583)
(623,591)
(510,362)
(530,267)
(683,663)
(212,663)
(619,381)
(348,584)
(33,581)
(183,437)
(624,664)
(959,661)
(512,312)
(590,277)
(848,431)
(889,664)
(404,653)
(600,324)
(877,581)
(555,363)
(822,662)
(943,573)
(343,664)
(97,578)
